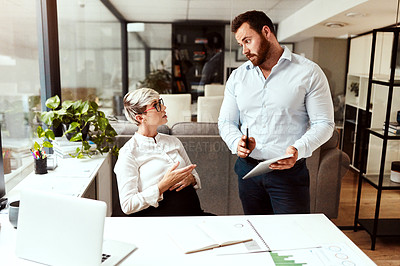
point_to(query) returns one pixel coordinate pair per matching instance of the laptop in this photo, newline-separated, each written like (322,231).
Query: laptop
(57,229)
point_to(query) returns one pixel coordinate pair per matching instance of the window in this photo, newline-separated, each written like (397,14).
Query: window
(19,86)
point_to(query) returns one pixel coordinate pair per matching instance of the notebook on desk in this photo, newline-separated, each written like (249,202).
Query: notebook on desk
(56,229)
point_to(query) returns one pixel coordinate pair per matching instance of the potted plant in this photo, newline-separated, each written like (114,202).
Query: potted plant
(38,153)
(83,122)
(158,80)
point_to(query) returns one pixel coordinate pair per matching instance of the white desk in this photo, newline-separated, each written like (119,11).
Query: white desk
(155,247)
(88,178)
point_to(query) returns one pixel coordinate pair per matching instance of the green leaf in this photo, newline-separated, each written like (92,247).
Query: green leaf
(72,128)
(74,125)
(76,137)
(92,118)
(103,123)
(40,131)
(47,144)
(67,104)
(50,134)
(101,114)
(53,102)
(94,106)
(77,104)
(86,145)
(47,117)
(85,107)
(36,146)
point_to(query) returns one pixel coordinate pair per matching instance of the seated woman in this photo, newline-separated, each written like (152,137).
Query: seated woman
(154,174)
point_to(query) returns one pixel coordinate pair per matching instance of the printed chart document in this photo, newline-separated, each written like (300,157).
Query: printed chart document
(283,236)
(272,237)
(208,235)
(263,167)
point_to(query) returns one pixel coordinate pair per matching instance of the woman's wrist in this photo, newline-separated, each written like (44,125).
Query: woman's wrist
(194,181)
(161,188)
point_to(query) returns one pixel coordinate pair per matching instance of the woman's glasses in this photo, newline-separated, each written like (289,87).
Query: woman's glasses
(156,106)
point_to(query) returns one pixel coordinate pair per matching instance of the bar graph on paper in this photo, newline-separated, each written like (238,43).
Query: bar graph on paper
(329,254)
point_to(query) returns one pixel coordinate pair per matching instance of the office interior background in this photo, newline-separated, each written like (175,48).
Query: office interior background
(108,47)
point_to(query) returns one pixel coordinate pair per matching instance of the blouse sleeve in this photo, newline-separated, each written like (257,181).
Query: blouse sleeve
(185,157)
(127,172)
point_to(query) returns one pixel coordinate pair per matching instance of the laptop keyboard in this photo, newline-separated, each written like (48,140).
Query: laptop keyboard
(104,257)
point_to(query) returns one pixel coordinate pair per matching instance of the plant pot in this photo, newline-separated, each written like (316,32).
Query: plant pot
(85,131)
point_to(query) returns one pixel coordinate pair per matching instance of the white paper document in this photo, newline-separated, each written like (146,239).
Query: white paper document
(268,236)
(263,167)
(285,235)
(209,235)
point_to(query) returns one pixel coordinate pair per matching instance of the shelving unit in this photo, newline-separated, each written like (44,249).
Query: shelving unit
(189,54)
(382,103)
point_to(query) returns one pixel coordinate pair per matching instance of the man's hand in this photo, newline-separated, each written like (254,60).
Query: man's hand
(242,151)
(286,163)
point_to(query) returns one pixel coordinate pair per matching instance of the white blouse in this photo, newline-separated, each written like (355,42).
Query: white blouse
(142,163)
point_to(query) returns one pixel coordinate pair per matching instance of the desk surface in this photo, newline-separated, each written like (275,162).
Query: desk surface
(155,247)
(72,177)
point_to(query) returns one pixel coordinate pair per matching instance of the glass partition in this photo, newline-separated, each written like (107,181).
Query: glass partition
(90,53)
(19,87)
(149,52)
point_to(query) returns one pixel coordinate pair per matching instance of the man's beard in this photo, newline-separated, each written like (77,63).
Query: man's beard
(261,56)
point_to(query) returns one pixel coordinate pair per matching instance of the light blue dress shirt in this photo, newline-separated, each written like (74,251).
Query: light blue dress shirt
(292,107)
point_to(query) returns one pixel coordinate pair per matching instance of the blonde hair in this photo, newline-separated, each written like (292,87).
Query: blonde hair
(135,102)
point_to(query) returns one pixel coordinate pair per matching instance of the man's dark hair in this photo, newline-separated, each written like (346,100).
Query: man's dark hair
(256,19)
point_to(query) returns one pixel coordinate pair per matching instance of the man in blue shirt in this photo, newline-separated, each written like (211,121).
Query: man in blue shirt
(285,103)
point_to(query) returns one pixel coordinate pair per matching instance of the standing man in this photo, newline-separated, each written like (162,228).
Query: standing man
(285,103)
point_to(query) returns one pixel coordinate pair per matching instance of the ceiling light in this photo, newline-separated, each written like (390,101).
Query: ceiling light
(354,15)
(135,27)
(335,24)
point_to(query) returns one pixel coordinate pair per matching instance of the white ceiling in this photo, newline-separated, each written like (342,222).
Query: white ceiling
(297,19)
(225,10)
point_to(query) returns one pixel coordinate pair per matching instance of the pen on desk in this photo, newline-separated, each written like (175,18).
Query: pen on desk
(247,138)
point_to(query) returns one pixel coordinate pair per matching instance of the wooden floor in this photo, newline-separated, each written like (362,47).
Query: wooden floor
(387,249)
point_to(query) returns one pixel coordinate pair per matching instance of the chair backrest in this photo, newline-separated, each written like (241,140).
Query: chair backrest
(178,107)
(214,90)
(208,108)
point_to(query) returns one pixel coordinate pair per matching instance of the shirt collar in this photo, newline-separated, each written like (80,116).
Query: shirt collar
(143,139)
(286,55)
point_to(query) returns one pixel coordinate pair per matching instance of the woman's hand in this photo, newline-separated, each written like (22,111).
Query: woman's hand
(176,178)
(188,181)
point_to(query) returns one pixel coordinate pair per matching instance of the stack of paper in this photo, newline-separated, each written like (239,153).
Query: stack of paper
(63,147)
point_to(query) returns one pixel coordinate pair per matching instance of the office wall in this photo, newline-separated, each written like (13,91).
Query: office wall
(330,54)
(305,48)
